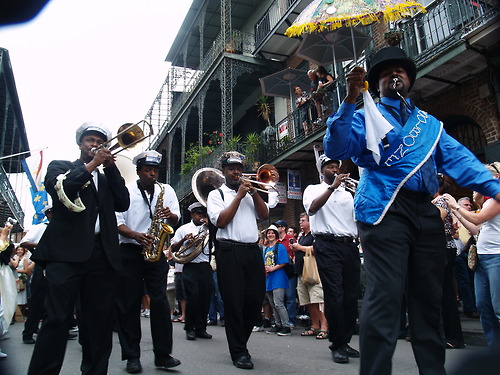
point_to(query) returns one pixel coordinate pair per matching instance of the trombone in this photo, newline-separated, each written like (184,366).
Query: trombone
(267,176)
(128,136)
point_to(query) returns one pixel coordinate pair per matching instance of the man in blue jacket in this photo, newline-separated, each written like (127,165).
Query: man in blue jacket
(401,231)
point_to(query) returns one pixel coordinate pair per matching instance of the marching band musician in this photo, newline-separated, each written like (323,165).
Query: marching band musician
(197,273)
(78,251)
(133,226)
(235,208)
(400,229)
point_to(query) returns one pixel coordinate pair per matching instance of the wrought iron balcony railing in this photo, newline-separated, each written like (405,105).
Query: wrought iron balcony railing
(443,26)
(272,18)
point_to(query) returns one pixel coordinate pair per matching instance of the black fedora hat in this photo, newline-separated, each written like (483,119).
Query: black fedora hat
(387,56)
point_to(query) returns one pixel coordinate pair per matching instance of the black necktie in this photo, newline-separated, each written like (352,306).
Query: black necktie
(403,113)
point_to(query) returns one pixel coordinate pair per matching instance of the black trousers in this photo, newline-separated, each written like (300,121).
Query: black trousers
(451,317)
(95,282)
(154,275)
(339,269)
(36,311)
(405,250)
(242,283)
(197,278)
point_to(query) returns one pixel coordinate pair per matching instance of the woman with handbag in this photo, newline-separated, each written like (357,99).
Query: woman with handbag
(487,276)
(309,288)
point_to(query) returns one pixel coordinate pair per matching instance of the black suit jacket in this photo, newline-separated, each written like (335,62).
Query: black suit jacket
(69,237)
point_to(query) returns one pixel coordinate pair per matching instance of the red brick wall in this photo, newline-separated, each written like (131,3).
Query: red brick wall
(474,99)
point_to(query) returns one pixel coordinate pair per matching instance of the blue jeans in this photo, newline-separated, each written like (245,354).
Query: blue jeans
(465,278)
(291,300)
(216,304)
(487,283)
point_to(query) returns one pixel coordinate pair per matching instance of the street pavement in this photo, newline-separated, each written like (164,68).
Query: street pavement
(271,354)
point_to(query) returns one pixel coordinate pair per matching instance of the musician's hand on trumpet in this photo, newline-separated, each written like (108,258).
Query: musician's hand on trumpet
(244,188)
(339,179)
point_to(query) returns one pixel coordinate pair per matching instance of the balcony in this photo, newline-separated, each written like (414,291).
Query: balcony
(181,82)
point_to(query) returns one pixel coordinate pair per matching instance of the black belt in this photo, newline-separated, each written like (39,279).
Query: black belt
(240,244)
(333,237)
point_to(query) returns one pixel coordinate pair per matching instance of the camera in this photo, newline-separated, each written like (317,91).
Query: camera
(11,221)
(292,241)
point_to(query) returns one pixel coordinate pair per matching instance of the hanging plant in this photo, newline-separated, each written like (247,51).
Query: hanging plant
(393,37)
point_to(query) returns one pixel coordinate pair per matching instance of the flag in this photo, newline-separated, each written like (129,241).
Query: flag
(33,168)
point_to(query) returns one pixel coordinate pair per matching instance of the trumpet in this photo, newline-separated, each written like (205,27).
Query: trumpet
(350,184)
(267,176)
(128,136)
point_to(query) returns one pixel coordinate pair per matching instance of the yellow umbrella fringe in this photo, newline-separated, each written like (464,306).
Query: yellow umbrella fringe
(391,14)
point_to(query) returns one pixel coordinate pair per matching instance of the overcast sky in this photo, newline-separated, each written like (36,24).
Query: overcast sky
(82,60)
(88,60)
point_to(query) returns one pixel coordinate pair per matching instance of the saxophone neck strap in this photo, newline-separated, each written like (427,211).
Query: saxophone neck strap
(148,202)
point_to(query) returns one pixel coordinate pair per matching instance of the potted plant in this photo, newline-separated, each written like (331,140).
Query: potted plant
(393,37)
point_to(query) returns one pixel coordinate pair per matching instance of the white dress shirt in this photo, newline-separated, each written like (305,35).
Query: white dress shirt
(336,217)
(194,230)
(137,216)
(243,228)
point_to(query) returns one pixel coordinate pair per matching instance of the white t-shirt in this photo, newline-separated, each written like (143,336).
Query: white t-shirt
(194,230)
(489,236)
(137,216)
(243,227)
(336,217)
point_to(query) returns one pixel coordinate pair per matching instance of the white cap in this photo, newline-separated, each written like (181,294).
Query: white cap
(150,157)
(323,159)
(92,126)
(196,205)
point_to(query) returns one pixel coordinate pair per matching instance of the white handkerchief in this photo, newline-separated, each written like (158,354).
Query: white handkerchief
(376,126)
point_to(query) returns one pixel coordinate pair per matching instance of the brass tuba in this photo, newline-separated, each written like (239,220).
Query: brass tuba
(158,230)
(204,181)
(197,242)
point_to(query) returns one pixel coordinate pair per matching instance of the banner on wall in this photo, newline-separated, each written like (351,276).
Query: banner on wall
(281,187)
(283,130)
(294,185)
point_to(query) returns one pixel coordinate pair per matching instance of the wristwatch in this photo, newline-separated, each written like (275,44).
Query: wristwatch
(331,188)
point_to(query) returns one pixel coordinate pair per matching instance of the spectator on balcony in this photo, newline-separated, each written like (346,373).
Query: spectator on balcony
(400,229)
(323,94)
(302,103)
(313,87)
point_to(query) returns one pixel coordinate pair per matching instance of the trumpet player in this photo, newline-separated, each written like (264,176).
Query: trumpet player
(235,208)
(190,246)
(133,227)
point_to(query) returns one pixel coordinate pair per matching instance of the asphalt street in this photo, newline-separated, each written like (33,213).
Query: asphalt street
(271,354)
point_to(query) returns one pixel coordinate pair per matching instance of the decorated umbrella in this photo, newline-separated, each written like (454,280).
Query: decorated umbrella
(324,15)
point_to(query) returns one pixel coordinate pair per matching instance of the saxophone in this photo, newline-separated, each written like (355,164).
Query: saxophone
(158,230)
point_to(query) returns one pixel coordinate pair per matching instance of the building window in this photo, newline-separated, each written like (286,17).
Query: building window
(467,132)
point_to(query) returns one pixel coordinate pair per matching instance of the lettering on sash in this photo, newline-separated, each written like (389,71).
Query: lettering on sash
(408,141)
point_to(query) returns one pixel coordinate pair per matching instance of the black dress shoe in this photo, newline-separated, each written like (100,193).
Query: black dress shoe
(134,366)
(191,335)
(339,356)
(350,352)
(167,362)
(243,362)
(203,335)
(28,340)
